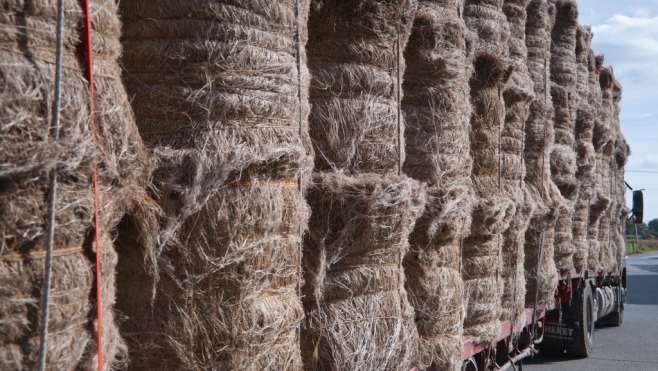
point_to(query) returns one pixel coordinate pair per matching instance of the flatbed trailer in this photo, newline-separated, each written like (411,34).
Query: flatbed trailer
(585,297)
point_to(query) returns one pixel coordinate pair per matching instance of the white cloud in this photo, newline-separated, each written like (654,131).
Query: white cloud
(649,163)
(630,43)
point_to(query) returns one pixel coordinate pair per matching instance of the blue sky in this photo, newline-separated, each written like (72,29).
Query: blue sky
(627,33)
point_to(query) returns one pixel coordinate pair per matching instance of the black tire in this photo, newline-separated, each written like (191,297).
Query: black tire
(586,343)
(614,319)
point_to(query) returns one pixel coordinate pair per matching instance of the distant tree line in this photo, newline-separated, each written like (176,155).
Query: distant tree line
(643,229)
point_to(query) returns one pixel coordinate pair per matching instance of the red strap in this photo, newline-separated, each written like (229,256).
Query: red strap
(90,77)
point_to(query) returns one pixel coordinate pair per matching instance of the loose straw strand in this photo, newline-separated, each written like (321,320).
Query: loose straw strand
(53,192)
(399,101)
(301,138)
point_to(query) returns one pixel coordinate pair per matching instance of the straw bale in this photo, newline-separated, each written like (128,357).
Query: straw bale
(541,232)
(357,313)
(219,93)
(539,131)
(518,95)
(539,140)
(620,157)
(27,66)
(513,261)
(355,74)
(564,79)
(598,205)
(586,155)
(606,169)
(437,116)
(493,208)
(356,66)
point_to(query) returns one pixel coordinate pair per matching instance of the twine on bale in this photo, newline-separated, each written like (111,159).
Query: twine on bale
(356,307)
(538,282)
(539,132)
(30,155)
(222,290)
(53,192)
(437,112)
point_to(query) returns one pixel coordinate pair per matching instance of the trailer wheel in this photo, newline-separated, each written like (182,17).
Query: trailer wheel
(586,342)
(615,319)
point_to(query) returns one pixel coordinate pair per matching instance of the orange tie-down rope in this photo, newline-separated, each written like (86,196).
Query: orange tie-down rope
(90,77)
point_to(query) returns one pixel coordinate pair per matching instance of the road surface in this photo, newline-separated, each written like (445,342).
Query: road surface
(634,345)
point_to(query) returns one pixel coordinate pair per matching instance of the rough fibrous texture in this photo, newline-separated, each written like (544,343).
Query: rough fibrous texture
(357,313)
(603,256)
(481,251)
(218,90)
(586,156)
(30,154)
(564,78)
(518,95)
(437,115)
(622,151)
(539,139)
(358,316)
(355,71)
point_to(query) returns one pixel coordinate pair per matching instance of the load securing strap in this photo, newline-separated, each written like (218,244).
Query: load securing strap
(89,72)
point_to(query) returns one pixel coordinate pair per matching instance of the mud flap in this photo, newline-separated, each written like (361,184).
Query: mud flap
(564,332)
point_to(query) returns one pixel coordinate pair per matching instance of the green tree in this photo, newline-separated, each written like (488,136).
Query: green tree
(642,228)
(653,224)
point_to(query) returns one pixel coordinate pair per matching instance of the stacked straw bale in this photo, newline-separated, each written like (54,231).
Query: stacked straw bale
(437,113)
(610,233)
(481,251)
(219,93)
(599,203)
(622,151)
(564,77)
(357,312)
(586,156)
(539,138)
(607,166)
(356,306)
(30,154)
(600,138)
(518,95)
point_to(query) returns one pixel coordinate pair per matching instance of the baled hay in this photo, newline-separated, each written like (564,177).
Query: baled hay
(30,153)
(539,131)
(518,95)
(596,211)
(219,97)
(586,156)
(227,292)
(357,313)
(541,233)
(436,107)
(437,116)
(355,66)
(564,78)
(620,158)
(608,255)
(606,170)
(513,261)
(600,136)
(493,208)
(539,139)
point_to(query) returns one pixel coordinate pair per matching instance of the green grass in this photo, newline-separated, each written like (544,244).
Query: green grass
(644,246)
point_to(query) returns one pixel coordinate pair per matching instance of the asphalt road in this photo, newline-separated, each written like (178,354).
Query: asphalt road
(634,345)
